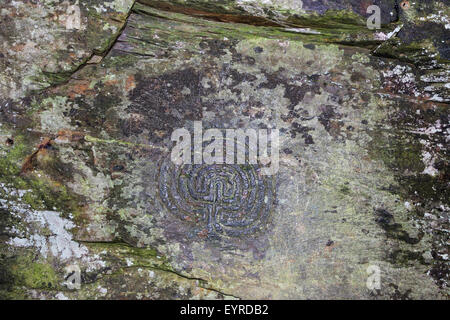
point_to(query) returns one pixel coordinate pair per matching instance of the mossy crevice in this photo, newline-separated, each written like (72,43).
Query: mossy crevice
(22,272)
(128,256)
(47,187)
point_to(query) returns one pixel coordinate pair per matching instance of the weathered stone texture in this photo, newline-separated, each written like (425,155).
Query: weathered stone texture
(86,116)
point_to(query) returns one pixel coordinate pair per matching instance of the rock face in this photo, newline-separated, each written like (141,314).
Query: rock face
(92,207)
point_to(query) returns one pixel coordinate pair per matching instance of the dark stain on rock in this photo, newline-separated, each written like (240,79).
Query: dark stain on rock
(357,6)
(295,94)
(9,141)
(329,119)
(440,272)
(397,294)
(158,104)
(405,257)
(357,77)
(258,49)
(239,78)
(13,112)
(394,230)
(297,128)
(417,33)
(96,114)
(217,48)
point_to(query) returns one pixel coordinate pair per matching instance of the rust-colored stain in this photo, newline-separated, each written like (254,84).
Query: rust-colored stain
(130,83)
(63,136)
(220,17)
(18,47)
(66,135)
(28,164)
(79,88)
(405,5)
(111,82)
(203,234)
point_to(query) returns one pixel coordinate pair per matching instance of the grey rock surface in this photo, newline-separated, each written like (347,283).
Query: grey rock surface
(91,92)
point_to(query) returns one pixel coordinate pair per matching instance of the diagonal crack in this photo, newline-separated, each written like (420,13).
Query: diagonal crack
(201,282)
(66,76)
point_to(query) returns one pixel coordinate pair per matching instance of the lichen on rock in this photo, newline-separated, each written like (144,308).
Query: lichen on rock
(89,99)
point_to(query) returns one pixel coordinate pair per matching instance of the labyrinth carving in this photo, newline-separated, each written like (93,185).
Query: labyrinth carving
(224,200)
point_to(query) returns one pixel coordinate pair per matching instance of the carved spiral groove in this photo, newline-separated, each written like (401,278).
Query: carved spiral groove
(230,200)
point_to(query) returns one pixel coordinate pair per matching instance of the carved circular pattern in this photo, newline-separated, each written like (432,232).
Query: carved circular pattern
(230,200)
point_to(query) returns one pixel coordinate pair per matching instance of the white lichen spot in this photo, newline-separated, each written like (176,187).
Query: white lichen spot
(73,20)
(59,244)
(428,160)
(48,233)
(186,91)
(102,290)
(53,119)
(61,296)
(122,6)
(303,30)
(255,6)
(129,262)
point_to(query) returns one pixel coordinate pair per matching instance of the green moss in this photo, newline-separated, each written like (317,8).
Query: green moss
(56,77)
(417,52)
(13,294)
(332,27)
(44,192)
(338,19)
(47,194)
(345,190)
(38,275)
(10,164)
(140,257)
(122,61)
(34,275)
(426,187)
(341,18)
(399,153)
(121,249)
(35,106)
